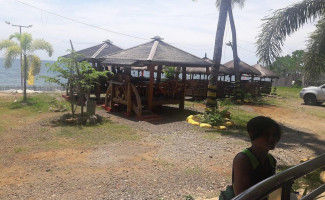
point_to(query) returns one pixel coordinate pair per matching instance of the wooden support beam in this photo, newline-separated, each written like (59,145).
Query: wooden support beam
(159,70)
(111,103)
(182,101)
(129,100)
(150,87)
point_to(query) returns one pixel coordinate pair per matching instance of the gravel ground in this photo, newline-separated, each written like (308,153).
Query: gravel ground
(172,159)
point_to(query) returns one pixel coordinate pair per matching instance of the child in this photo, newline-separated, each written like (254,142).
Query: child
(255,164)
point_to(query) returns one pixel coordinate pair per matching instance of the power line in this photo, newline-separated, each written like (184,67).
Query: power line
(80,22)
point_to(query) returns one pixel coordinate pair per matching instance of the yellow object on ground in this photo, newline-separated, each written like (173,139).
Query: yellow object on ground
(227,119)
(205,125)
(189,117)
(191,121)
(30,79)
(229,123)
(222,127)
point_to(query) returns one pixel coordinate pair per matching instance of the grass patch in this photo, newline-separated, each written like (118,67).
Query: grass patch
(13,109)
(39,102)
(193,171)
(240,117)
(104,133)
(20,149)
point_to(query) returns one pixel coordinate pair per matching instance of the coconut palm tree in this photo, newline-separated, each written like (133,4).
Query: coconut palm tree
(27,46)
(284,22)
(224,6)
(240,3)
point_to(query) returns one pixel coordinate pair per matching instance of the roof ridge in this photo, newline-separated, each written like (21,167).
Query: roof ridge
(99,50)
(126,49)
(153,50)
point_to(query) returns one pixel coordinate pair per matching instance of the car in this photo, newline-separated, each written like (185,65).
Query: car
(313,95)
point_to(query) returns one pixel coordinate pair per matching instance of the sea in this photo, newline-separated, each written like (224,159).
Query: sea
(10,77)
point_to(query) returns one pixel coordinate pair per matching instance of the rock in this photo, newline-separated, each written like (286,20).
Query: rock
(92,120)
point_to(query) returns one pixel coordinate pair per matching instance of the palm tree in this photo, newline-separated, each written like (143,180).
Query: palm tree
(27,46)
(223,9)
(224,6)
(284,22)
(233,32)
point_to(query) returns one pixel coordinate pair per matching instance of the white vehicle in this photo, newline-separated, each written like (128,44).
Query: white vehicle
(313,95)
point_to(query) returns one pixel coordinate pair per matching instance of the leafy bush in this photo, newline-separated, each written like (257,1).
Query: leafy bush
(215,118)
(170,72)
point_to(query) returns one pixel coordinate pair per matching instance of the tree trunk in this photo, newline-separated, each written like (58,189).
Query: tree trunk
(25,77)
(234,45)
(211,101)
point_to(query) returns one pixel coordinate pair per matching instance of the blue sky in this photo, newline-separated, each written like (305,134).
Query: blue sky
(189,25)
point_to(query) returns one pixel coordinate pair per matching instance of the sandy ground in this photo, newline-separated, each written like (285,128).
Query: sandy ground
(172,159)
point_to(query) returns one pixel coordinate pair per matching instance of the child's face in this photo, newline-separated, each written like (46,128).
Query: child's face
(269,140)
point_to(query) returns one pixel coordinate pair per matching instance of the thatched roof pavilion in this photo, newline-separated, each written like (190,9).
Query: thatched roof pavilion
(265,73)
(95,53)
(154,53)
(244,68)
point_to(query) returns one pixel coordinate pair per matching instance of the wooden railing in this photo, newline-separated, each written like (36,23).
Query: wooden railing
(285,180)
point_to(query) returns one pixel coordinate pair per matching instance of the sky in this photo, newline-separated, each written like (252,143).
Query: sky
(187,24)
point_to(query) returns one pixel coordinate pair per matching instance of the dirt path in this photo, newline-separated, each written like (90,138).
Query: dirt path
(293,117)
(172,159)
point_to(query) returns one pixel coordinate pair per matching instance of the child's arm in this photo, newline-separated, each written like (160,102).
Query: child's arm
(242,170)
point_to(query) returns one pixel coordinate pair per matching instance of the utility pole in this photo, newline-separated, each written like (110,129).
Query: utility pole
(21,53)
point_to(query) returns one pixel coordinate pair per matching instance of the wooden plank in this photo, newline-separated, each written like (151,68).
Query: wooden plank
(150,87)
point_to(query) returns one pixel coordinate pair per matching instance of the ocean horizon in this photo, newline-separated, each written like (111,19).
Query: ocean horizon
(10,77)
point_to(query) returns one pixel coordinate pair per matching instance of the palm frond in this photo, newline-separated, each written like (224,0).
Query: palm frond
(26,42)
(7,43)
(35,64)
(240,3)
(16,36)
(40,44)
(11,53)
(285,21)
(315,55)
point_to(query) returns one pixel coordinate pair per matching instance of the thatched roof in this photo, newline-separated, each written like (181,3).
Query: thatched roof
(97,51)
(265,73)
(244,68)
(155,52)
(199,70)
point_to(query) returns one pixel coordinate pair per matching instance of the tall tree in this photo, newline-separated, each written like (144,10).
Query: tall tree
(233,44)
(284,22)
(223,9)
(27,46)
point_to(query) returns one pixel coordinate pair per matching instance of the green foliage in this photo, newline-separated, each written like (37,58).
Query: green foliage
(215,118)
(79,77)
(289,64)
(170,72)
(189,197)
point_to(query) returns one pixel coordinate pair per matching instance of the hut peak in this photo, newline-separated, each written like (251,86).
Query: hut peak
(157,38)
(108,41)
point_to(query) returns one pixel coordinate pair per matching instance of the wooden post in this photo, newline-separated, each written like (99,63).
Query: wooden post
(150,87)
(177,73)
(111,103)
(182,101)
(129,100)
(159,69)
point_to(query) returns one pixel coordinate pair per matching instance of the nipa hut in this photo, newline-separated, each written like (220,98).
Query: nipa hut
(265,79)
(140,94)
